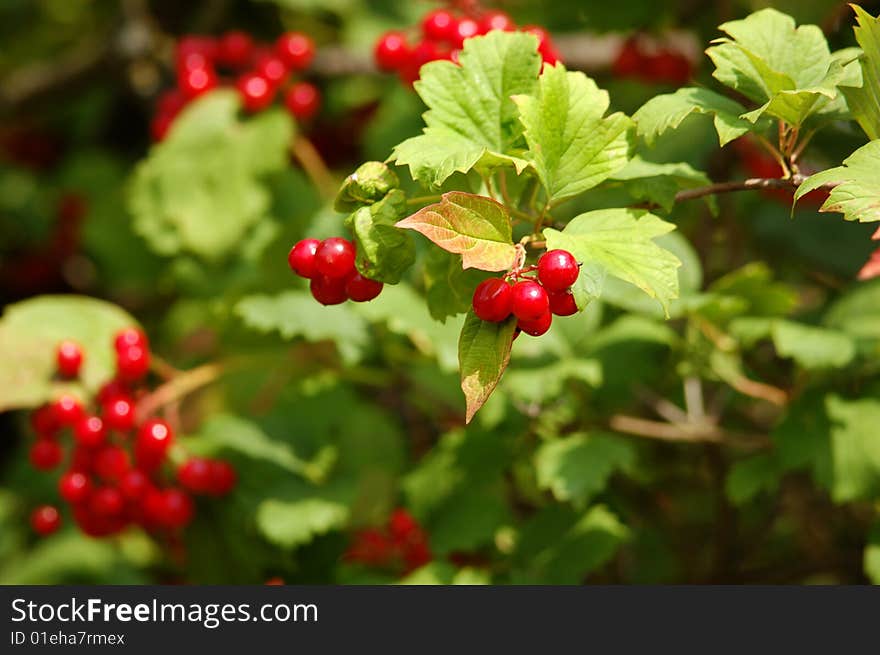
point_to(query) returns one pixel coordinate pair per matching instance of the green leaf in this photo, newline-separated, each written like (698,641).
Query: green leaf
(475,227)
(384,252)
(813,347)
(295,313)
(666,112)
(789,71)
(619,242)
(659,183)
(572,147)
(863,100)
(370,183)
(578,467)
(294,523)
(449,287)
(872,555)
(201,190)
(483,354)
(749,477)
(471,120)
(857,194)
(29,333)
(857,312)
(537,385)
(855,448)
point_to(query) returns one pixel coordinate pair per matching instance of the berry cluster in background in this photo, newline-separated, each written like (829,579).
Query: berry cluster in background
(329,265)
(117,470)
(533,301)
(259,72)
(647,61)
(401,545)
(441,35)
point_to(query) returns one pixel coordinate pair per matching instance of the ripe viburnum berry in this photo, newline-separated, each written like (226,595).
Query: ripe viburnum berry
(562,303)
(301,258)
(235,49)
(465,29)
(45,520)
(440,25)
(496,20)
(74,487)
(392,51)
(118,413)
(557,270)
(335,257)
(296,50)
(134,484)
(130,337)
(112,389)
(44,421)
(529,300)
(256,92)
(69,358)
(106,501)
(195,475)
(177,510)
(362,289)
(328,290)
(493,300)
(132,363)
(272,68)
(302,100)
(222,476)
(89,432)
(67,410)
(46,454)
(538,326)
(111,463)
(195,81)
(154,438)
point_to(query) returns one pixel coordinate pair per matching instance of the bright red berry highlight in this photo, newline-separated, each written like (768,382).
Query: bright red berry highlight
(392,51)
(466,28)
(301,258)
(496,20)
(296,50)
(557,270)
(74,487)
(67,410)
(196,81)
(529,301)
(493,300)
(302,100)
(118,414)
(132,363)
(272,68)
(362,289)
(335,257)
(440,25)
(155,436)
(235,49)
(256,92)
(69,357)
(130,337)
(89,432)
(45,520)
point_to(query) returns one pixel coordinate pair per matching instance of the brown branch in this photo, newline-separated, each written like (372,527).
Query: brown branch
(686,433)
(173,390)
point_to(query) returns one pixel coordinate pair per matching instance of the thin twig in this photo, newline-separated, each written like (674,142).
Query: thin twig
(684,433)
(182,385)
(317,171)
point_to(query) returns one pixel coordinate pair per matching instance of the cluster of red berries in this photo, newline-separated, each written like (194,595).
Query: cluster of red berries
(114,475)
(330,267)
(401,546)
(442,36)
(648,62)
(258,72)
(532,301)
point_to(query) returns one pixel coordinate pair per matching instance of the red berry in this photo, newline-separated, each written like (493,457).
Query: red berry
(196,81)
(82,459)
(557,270)
(392,51)
(302,100)
(160,125)
(67,410)
(44,421)
(177,508)
(440,25)
(562,303)
(301,257)
(134,484)
(235,49)
(130,337)
(69,357)
(667,66)
(89,432)
(222,477)
(195,475)
(401,524)
(45,520)
(630,60)
(493,300)
(46,454)
(132,363)
(74,487)
(335,257)
(536,327)
(466,28)
(112,389)
(271,68)
(170,103)
(496,20)
(256,92)
(202,45)
(328,290)
(154,437)
(362,289)
(111,463)
(529,300)
(106,501)
(296,49)
(118,414)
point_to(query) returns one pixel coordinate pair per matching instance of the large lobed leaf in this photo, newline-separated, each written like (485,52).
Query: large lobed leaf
(471,120)
(483,354)
(864,100)
(384,252)
(620,243)
(572,145)
(855,448)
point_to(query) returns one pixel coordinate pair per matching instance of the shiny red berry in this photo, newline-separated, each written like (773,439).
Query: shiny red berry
(132,363)
(45,520)
(177,508)
(134,484)
(113,389)
(130,337)
(44,421)
(69,357)
(170,103)
(557,270)
(67,410)
(362,289)
(440,25)
(256,92)
(538,326)
(196,81)
(106,501)
(46,454)
(401,524)
(111,463)
(301,258)
(235,49)
(296,50)
(302,100)
(529,300)
(89,432)
(562,303)
(392,51)
(335,257)
(195,475)
(203,45)
(159,126)
(466,28)
(328,290)
(118,413)
(272,69)
(155,436)
(74,487)
(222,477)
(496,20)
(493,300)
